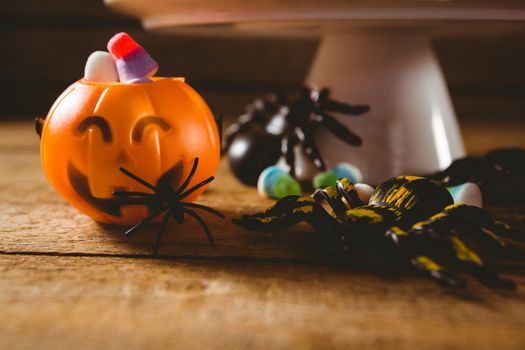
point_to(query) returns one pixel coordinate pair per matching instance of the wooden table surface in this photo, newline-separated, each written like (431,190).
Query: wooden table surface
(67,282)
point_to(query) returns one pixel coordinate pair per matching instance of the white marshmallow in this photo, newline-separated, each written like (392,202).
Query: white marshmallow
(100,67)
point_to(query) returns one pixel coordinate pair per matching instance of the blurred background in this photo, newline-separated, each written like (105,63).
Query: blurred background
(46,44)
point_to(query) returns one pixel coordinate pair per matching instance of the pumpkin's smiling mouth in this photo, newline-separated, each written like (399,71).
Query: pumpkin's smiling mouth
(112,206)
(120,188)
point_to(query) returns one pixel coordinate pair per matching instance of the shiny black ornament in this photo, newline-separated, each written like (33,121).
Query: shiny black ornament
(250,153)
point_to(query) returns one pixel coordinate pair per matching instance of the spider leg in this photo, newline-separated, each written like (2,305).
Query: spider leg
(242,124)
(203,225)
(218,121)
(312,151)
(190,176)
(430,246)
(338,130)
(178,216)
(229,135)
(346,189)
(196,187)
(408,246)
(165,219)
(328,104)
(495,230)
(287,212)
(287,149)
(146,220)
(283,205)
(463,170)
(203,207)
(476,225)
(340,198)
(434,270)
(39,125)
(138,179)
(132,194)
(470,262)
(334,199)
(344,108)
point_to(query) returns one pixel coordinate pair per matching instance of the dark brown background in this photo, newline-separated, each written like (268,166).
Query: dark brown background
(45,45)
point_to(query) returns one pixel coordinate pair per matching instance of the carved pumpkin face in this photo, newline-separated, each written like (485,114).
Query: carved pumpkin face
(155,130)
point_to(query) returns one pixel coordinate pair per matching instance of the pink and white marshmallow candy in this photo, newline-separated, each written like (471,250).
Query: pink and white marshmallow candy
(101,67)
(134,64)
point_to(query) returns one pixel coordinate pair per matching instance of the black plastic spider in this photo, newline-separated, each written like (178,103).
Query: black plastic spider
(169,201)
(500,174)
(273,126)
(407,218)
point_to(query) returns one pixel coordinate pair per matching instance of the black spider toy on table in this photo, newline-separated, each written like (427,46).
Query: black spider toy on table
(500,174)
(274,126)
(167,202)
(407,218)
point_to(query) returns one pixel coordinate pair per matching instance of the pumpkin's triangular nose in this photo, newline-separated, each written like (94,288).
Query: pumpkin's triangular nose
(122,157)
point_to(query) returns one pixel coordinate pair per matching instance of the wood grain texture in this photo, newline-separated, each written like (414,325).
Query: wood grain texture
(110,303)
(67,282)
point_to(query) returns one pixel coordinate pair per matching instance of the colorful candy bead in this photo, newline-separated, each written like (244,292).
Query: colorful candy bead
(328,178)
(276,183)
(468,193)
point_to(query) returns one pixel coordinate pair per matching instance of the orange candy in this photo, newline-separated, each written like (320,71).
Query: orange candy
(155,130)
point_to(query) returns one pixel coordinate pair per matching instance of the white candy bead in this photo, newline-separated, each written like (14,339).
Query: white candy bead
(468,193)
(364,192)
(100,67)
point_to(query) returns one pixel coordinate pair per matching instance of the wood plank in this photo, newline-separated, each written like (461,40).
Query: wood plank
(119,303)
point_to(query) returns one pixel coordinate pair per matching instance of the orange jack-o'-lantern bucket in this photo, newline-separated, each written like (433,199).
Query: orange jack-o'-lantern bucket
(155,130)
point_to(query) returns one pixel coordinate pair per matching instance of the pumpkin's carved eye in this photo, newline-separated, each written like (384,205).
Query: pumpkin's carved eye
(138,129)
(99,122)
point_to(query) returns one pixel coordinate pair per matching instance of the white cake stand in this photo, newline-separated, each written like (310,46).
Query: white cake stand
(373,52)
